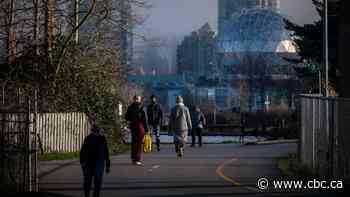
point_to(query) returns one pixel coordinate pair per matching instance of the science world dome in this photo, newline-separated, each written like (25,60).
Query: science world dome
(255,30)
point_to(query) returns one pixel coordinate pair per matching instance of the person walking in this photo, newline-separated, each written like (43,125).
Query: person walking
(198,123)
(155,118)
(180,123)
(94,160)
(136,116)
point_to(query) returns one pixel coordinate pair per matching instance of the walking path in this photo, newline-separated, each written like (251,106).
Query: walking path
(211,139)
(211,171)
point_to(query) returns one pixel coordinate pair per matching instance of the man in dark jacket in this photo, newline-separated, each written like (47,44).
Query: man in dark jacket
(136,116)
(155,118)
(198,123)
(94,157)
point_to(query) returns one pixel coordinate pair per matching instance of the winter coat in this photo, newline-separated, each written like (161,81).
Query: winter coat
(154,114)
(135,114)
(94,152)
(180,118)
(198,119)
(180,123)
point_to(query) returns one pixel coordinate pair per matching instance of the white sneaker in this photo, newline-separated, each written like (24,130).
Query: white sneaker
(138,163)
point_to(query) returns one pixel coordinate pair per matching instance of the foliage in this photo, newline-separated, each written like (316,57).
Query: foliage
(74,58)
(308,40)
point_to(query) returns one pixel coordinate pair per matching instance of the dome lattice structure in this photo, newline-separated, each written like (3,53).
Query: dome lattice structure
(255,30)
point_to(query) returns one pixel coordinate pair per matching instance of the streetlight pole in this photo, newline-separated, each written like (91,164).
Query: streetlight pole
(326,64)
(326,53)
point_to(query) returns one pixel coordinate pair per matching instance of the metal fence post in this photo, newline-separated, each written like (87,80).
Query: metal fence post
(313,135)
(29,147)
(36,139)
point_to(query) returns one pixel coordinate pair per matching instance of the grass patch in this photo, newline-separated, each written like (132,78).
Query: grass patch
(58,156)
(229,142)
(291,167)
(253,129)
(284,165)
(75,155)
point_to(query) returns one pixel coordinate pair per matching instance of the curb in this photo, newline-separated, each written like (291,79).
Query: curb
(270,142)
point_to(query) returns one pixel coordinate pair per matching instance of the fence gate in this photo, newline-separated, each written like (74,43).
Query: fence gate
(18,146)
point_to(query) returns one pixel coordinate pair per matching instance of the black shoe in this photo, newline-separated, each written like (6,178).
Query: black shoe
(192,145)
(158,149)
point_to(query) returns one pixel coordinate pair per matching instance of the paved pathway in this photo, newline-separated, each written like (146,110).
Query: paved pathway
(211,171)
(210,139)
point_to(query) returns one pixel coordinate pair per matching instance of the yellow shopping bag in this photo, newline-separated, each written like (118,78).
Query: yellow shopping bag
(147,143)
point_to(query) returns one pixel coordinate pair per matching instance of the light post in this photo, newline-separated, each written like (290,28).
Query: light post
(325,2)
(325,47)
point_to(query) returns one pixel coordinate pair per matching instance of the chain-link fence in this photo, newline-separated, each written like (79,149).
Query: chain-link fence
(325,136)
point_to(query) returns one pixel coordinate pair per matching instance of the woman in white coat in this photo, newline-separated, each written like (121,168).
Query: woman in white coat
(180,123)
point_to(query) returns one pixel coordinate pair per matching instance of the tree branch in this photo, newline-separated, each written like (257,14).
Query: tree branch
(64,47)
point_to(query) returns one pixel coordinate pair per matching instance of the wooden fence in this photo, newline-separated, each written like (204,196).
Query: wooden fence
(62,132)
(324,137)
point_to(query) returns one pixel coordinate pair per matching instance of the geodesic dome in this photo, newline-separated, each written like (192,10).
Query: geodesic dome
(255,30)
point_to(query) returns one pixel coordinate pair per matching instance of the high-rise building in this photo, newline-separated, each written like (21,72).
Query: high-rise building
(195,54)
(229,7)
(124,33)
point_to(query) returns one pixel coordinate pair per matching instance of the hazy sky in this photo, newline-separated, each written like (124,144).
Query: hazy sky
(180,17)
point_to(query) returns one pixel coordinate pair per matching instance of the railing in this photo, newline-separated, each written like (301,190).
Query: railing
(325,135)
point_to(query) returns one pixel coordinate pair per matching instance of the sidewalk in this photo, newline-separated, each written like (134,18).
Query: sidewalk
(47,167)
(167,139)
